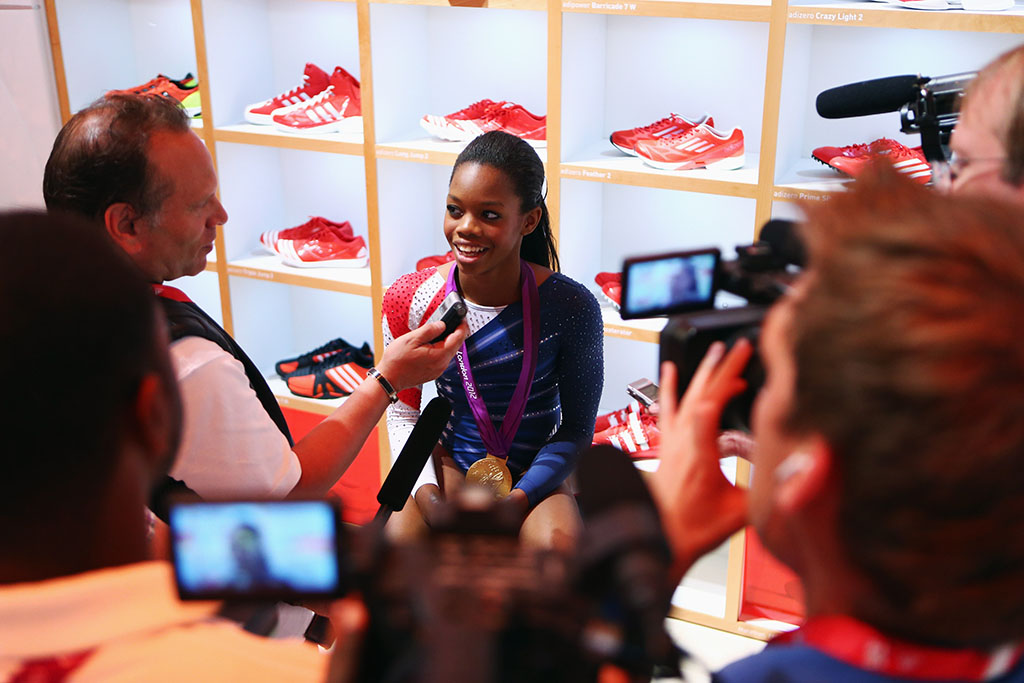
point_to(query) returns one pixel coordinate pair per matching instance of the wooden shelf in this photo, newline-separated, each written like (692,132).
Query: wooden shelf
(809,180)
(268,136)
(428,150)
(646,329)
(846,13)
(287,399)
(536,5)
(620,169)
(270,269)
(726,10)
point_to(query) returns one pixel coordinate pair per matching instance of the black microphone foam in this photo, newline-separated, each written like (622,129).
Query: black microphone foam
(414,455)
(781,234)
(877,96)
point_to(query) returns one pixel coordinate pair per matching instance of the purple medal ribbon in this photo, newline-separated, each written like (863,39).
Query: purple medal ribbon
(498,444)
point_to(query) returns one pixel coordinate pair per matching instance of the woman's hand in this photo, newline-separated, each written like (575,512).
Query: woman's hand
(428,499)
(699,507)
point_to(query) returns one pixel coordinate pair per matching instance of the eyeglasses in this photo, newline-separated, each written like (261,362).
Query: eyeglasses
(945,173)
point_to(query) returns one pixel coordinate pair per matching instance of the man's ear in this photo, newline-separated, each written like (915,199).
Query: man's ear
(120,220)
(804,475)
(532,220)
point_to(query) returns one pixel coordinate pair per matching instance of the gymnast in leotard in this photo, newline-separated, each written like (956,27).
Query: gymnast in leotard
(525,388)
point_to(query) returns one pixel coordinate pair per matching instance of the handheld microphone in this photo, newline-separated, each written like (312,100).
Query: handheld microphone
(414,456)
(877,96)
(785,242)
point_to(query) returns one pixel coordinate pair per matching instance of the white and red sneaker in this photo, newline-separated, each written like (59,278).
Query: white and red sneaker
(445,127)
(507,116)
(334,110)
(324,249)
(853,159)
(611,287)
(270,238)
(314,81)
(671,125)
(435,261)
(638,435)
(617,417)
(701,147)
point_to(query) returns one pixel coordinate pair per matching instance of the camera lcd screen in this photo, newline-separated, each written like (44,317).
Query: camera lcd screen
(669,283)
(263,550)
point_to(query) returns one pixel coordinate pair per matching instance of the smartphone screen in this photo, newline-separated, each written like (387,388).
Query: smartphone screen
(260,550)
(669,283)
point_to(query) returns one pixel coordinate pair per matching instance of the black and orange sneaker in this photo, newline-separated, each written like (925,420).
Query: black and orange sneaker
(289,366)
(336,376)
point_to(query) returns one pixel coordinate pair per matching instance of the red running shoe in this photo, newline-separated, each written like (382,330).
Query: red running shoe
(853,159)
(334,110)
(638,436)
(428,261)
(269,239)
(670,126)
(701,147)
(324,249)
(178,90)
(509,117)
(611,287)
(334,377)
(314,81)
(617,417)
(444,126)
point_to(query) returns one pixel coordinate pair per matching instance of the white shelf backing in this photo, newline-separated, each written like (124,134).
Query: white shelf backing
(264,188)
(703,587)
(620,72)
(139,39)
(204,290)
(256,50)
(818,58)
(274,321)
(499,54)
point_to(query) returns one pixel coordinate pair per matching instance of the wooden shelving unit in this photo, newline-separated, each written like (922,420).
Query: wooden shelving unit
(777,172)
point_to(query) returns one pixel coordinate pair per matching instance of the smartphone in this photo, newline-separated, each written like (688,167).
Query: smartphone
(451,312)
(662,284)
(257,550)
(643,390)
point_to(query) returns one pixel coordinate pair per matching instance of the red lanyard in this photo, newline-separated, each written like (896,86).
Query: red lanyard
(168,292)
(861,646)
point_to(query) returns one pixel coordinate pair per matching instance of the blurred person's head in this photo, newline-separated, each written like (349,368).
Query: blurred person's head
(890,429)
(133,165)
(92,417)
(988,141)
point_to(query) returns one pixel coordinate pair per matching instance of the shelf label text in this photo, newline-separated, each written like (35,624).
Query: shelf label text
(829,16)
(570,172)
(594,6)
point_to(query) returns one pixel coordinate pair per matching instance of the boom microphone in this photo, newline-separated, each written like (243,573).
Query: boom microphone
(414,455)
(877,96)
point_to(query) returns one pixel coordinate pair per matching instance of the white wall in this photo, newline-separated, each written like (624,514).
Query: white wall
(29,113)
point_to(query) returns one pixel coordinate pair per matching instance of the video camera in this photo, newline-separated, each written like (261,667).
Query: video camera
(929,106)
(685,285)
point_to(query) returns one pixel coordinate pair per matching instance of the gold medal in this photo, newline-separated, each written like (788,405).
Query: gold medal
(491,473)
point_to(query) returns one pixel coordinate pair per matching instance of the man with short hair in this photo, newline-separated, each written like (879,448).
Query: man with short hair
(988,142)
(135,169)
(78,598)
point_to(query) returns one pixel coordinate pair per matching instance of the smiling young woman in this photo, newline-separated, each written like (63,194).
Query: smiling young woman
(526,385)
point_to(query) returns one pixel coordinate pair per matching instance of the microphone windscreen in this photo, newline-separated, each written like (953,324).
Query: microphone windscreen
(414,455)
(607,478)
(877,96)
(781,234)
